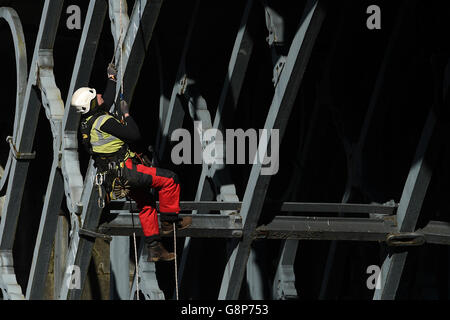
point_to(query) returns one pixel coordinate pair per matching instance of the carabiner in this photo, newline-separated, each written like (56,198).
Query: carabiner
(98,179)
(101,203)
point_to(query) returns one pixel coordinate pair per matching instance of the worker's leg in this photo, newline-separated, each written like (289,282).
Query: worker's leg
(164,181)
(140,192)
(147,214)
(167,184)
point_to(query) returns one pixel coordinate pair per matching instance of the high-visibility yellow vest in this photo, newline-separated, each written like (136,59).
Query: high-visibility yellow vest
(101,141)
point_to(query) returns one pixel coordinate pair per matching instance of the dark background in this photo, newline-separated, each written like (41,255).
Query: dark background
(336,93)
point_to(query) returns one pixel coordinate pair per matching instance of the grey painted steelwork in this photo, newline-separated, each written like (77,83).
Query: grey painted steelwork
(73,180)
(173,117)
(301,207)
(61,119)
(54,110)
(82,247)
(26,128)
(287,227)
(355,154)
(386,223)
(203,225)
(8,283)
(284,96)
(240,56)
(410,205)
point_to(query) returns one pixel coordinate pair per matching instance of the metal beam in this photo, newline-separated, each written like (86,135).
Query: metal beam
(284,97)
(301,207)
(142,23)
(26,129)
(285,227)
(173,118)
(13,20)
(46,235)
(205,226)
(70,165)
(81,248)
(410,206)
(59,119)
(355,153)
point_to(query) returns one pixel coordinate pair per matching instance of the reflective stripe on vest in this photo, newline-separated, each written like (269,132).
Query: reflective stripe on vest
(101,141)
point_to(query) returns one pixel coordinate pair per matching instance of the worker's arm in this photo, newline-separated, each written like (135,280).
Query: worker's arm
(128,133)
(109,94)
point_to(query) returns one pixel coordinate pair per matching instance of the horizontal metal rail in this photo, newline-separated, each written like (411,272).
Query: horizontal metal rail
(287,227)
(273,206)
(203,226)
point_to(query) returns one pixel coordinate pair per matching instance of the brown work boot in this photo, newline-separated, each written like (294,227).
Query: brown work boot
(167,227)
(156,252)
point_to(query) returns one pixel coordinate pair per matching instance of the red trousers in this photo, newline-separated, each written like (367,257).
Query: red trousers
(141,179)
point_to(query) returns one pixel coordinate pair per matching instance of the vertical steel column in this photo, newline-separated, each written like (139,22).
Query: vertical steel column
(409,209)
(283,100)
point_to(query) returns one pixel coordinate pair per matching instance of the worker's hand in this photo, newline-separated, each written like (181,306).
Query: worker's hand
(124,107)
(112,71)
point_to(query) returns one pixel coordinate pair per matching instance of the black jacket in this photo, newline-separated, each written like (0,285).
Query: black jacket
(128,132)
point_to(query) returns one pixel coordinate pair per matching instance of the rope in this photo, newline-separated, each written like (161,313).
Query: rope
(121,51)
(175,252)
(119,44)
(137,266)
(135,255)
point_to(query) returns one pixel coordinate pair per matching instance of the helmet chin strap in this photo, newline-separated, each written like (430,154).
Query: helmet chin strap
(94,103)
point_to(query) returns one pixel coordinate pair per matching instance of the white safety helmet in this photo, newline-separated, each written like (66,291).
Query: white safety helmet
(81,99)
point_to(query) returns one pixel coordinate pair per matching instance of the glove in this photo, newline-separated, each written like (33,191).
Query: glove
(124,107)
(111,71)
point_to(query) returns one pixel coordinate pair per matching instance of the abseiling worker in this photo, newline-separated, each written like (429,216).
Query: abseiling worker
(121,172)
